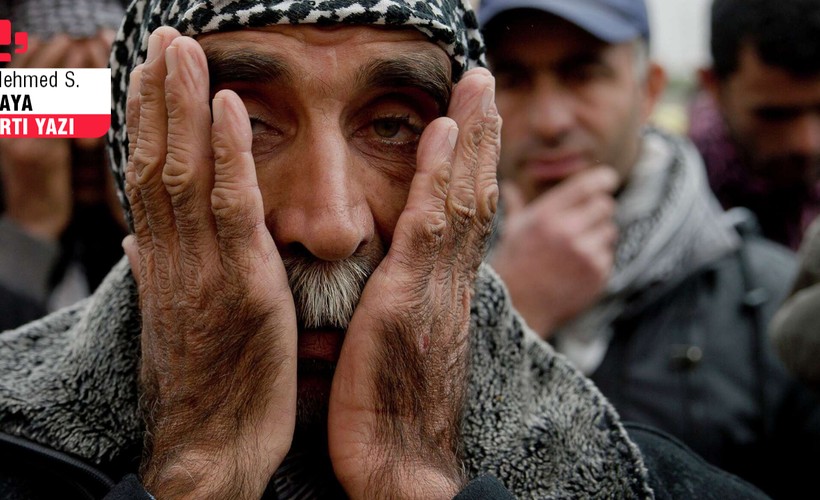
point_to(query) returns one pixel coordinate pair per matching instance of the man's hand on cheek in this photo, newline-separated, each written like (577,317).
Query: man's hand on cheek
(218,367)
(399,386)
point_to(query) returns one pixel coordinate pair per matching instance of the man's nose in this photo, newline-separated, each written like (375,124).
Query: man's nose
(805,135)
(551,113)
(322,207)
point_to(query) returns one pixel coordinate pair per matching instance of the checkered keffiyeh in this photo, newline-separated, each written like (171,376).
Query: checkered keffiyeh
(451,24)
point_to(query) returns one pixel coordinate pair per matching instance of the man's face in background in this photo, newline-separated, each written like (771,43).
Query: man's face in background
(569,101)
(774,118)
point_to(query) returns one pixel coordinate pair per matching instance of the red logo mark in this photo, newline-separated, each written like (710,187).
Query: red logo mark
(20,40)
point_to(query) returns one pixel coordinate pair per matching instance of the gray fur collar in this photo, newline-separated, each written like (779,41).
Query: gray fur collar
(68,381)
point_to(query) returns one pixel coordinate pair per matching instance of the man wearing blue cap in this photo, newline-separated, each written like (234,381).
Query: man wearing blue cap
(615,251)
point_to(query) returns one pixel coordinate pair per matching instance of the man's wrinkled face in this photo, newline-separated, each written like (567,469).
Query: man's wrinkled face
(336,116)
(568,100)
(774,116)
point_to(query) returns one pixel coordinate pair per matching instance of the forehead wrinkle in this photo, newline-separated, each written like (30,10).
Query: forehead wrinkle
(419,70)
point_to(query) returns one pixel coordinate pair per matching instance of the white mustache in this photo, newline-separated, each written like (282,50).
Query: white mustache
(326,293)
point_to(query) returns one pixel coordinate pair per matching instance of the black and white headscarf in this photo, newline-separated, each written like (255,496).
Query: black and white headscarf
(451,24)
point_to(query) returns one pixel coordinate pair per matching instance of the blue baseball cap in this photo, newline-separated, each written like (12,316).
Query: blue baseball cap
(613,21)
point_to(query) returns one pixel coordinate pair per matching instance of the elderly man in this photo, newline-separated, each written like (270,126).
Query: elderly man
(614,249)
(310,194)
(762,146)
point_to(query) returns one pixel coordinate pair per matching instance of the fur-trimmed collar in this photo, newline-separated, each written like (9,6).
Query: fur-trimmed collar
(69,382)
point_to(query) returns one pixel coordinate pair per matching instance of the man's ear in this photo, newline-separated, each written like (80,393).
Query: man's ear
(655,85)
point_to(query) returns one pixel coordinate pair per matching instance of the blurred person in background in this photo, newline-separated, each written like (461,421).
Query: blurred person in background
(759,132)
(60,228)
(615,250)
(795,329)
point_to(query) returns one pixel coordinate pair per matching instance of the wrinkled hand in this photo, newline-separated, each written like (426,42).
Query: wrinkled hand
(400,382)
(218,369)
(37,177)
(556,254)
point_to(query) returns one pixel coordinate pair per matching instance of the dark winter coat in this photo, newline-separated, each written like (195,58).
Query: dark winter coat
(695,361)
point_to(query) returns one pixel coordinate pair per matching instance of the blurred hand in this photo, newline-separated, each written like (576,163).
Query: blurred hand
(37,173)
(556,254)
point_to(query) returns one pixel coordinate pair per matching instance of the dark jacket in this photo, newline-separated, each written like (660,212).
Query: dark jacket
(17,309)
(695,362)
(30,471)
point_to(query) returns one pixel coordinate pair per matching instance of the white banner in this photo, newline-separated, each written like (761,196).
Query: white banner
(74,102)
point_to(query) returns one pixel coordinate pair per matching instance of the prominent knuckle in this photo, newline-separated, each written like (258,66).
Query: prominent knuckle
(132,103)
(224,202)
(429,232)
(476,133)
(176,174)
(488,202)
(461,211)
(151,102)
(131,186)
(229,199)
(145,167)
(182,198)
(149,190)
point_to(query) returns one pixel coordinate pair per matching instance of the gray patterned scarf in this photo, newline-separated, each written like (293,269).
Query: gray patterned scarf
(669,225)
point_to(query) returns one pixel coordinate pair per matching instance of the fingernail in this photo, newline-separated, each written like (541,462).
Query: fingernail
(453,137)
(487,99)
(217,108)
(171,59)
(154,42)
(134,82)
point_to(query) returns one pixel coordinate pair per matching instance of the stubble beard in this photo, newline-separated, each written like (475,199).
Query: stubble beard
(326,295)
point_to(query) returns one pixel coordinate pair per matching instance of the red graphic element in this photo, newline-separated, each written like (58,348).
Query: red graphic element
(64,126)
(20,40)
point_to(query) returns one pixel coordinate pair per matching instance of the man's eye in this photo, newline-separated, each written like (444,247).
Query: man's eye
(388,128)
(777,114)
(586,73)
(396,128)
(259,127)
(512,80)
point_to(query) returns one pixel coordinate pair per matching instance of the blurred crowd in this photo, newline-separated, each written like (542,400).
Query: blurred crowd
(678,270)
(60,221)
